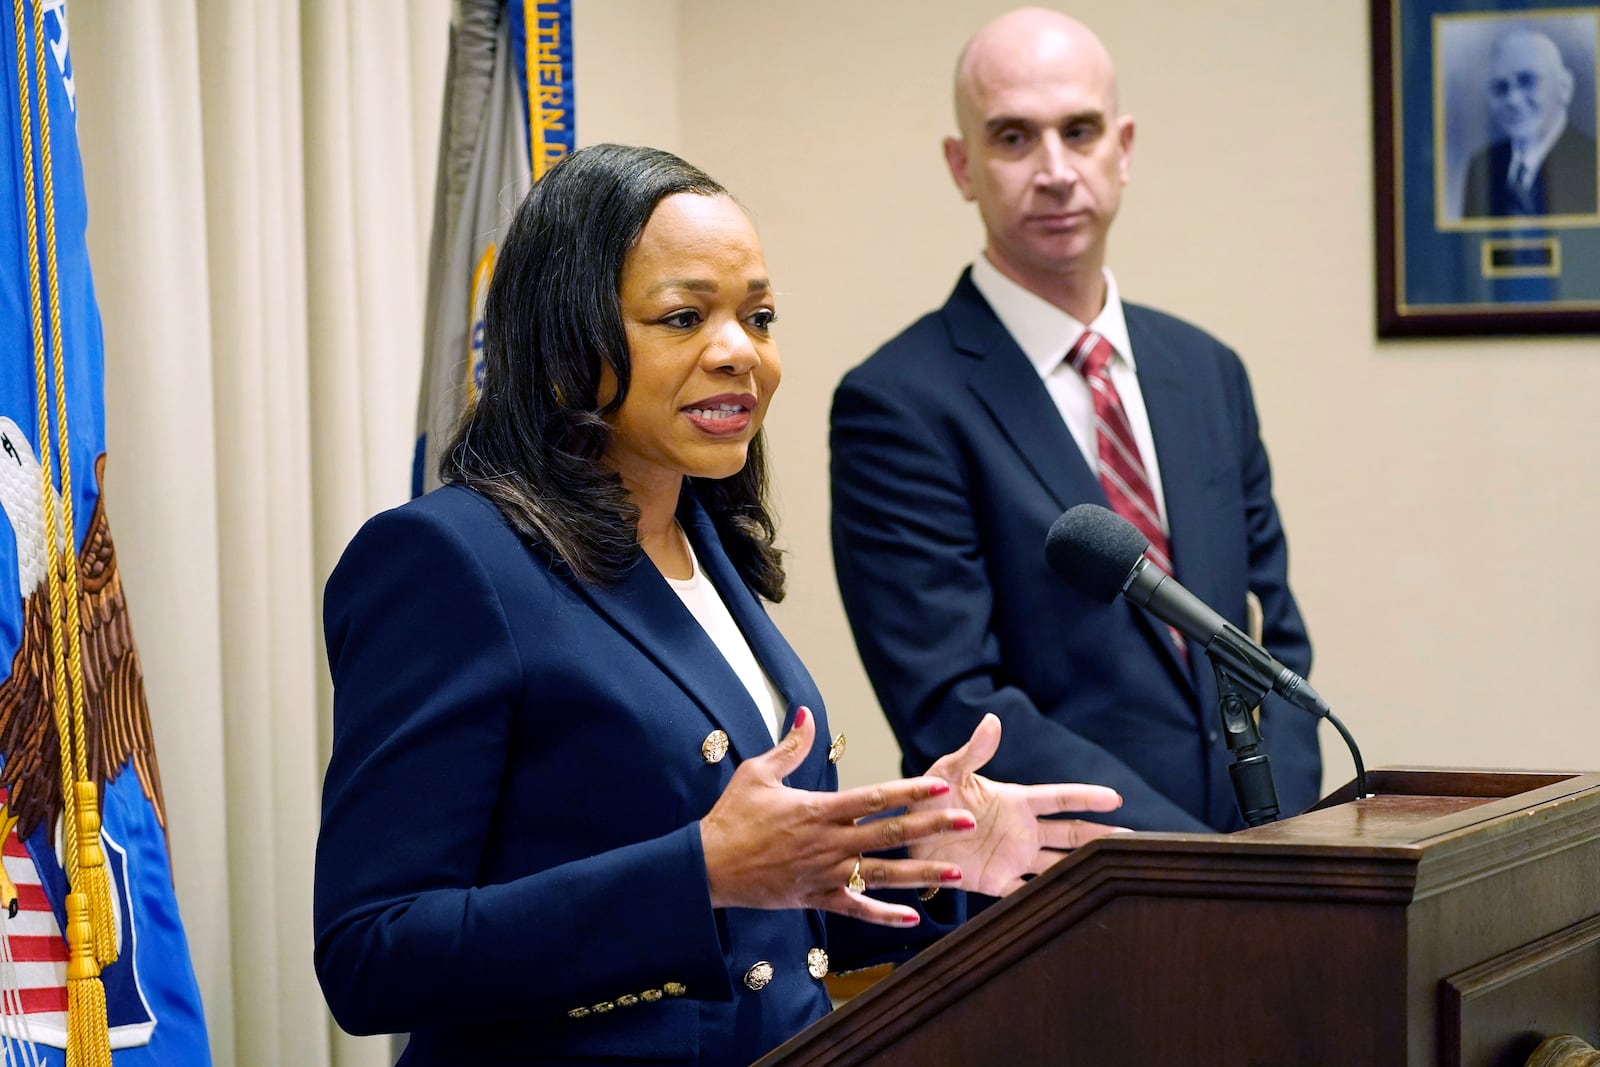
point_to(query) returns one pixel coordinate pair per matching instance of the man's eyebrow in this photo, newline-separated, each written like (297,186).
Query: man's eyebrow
(1094,115)
(1002,122)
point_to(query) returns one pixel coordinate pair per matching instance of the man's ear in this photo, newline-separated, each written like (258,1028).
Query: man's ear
(955,157)
(1564,82)
(1125,143)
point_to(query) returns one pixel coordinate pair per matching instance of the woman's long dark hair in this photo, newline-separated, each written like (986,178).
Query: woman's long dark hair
(533,442)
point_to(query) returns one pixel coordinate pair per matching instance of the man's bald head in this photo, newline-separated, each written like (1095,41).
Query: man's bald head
(1030,38)
(1531,44)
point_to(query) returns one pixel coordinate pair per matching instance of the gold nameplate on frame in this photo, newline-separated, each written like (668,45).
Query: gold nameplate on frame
(1521,257)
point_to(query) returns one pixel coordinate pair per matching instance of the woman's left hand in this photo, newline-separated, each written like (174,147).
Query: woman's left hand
(1012,838)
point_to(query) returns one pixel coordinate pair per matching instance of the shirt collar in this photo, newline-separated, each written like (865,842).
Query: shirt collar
(1532,156)
(1043,331)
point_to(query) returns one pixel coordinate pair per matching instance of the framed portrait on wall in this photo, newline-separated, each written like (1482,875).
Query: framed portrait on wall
(1487,166)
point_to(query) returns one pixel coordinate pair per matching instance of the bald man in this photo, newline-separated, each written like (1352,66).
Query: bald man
(1035,388)
(1540,165)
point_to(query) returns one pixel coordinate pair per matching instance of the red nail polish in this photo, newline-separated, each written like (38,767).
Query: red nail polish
(910,920)
(800,716)
(938,789)
(965,822)
(952,875)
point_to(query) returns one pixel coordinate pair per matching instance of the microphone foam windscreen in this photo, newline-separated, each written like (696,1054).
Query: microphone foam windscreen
(1094,549)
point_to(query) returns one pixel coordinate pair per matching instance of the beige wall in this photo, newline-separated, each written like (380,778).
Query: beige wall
(625,61)
(1441,496)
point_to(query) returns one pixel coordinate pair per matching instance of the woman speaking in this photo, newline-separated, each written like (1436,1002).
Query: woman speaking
(577,811)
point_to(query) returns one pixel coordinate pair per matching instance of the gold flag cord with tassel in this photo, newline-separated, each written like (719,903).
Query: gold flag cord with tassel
(90,925)
(91,858)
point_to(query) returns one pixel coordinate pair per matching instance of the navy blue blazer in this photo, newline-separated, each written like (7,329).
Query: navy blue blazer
(509,865)
(949,463)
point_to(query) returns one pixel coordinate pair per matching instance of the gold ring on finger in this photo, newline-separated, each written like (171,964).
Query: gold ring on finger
(856,884)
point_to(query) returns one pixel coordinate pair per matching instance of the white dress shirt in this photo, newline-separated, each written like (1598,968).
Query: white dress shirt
(1045,333)
(1532,155)
(705,604)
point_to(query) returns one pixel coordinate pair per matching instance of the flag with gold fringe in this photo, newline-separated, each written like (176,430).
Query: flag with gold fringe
(508,115)
(94,965)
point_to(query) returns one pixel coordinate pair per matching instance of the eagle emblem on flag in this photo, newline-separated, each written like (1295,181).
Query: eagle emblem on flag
(94,962)
(33,996)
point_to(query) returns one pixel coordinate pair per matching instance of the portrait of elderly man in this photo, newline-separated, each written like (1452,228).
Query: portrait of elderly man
(1539,164)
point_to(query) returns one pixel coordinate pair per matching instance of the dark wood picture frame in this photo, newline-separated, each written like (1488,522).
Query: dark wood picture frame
(1439,271)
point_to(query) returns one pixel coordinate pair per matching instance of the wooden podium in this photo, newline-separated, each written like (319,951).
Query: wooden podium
(1453,919)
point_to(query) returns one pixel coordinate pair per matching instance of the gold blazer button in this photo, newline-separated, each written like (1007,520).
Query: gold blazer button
(759,974)
(836,750)
(674,989)
(714,747)
(817,963)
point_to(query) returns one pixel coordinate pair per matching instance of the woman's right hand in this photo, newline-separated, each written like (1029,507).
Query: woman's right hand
(768,845)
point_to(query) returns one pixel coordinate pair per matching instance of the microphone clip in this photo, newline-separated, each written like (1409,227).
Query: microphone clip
(1239,693)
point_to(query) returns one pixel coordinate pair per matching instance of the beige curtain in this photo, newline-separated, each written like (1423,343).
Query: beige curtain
(259,177)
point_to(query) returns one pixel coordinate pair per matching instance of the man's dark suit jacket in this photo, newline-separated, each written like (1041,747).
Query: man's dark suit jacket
(509,865)
(950,462)
(1565,185)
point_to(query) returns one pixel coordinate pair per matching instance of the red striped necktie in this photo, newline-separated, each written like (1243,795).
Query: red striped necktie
(1122,474)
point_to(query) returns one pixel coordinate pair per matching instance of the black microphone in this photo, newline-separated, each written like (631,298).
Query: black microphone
(1101,554)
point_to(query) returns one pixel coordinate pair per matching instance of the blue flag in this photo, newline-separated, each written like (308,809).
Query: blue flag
(51,467)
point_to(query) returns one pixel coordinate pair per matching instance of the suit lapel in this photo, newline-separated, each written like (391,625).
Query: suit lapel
(774,654)
(1181,441)
(644,607)
(1009,387)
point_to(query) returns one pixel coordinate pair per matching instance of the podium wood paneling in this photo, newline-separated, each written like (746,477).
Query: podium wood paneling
(1453,919)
